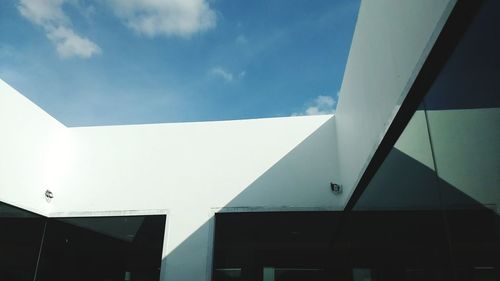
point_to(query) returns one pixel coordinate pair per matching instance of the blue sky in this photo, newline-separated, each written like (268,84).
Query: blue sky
(126,62)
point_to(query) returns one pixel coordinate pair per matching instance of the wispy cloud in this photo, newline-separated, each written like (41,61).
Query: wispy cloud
(222,73)
(320,105)
(165,17)
(50,16)
(226,75)
(70,44)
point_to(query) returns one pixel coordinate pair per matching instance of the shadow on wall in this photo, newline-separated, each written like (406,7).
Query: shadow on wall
(408,190)
(299,180)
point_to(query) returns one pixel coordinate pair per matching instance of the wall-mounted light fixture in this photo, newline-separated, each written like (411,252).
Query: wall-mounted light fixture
(336,188)
(48,195)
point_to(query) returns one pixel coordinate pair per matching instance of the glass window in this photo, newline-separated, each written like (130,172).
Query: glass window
(20,238)
(445,168)
(103,249)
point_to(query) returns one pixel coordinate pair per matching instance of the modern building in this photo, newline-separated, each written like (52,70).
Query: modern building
(413,153)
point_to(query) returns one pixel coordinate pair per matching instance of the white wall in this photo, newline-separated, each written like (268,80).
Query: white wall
(186,169)
(391,41)
(191,168)
(30,146)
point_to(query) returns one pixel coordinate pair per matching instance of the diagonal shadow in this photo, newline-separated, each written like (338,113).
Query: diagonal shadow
(404,190)
(402,183)
(308,166)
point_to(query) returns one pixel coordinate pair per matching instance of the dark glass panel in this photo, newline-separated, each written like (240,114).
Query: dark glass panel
(406,180)
(20,238)
(450,164)
(287,242)
(469,79)
(463,109)
(474,243)
(228,274)
(362,245)
(103,249)
(409,240)
(293,274)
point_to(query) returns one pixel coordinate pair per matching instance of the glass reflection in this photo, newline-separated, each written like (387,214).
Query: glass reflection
(103,249)
(463,110)
(456,131)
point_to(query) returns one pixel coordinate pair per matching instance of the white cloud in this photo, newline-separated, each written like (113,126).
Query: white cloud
(226,75)
(70,44)
(43,12)
(165,17)
(320,105)
(222,73)
(50,16)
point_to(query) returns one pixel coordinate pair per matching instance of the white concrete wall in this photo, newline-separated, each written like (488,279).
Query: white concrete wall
(189,169)
(31,151)
(391,41)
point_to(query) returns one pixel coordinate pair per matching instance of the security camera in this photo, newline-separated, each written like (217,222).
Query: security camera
(336,188)
(48,195)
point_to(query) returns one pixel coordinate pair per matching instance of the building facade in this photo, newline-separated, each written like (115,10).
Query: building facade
(414,145)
